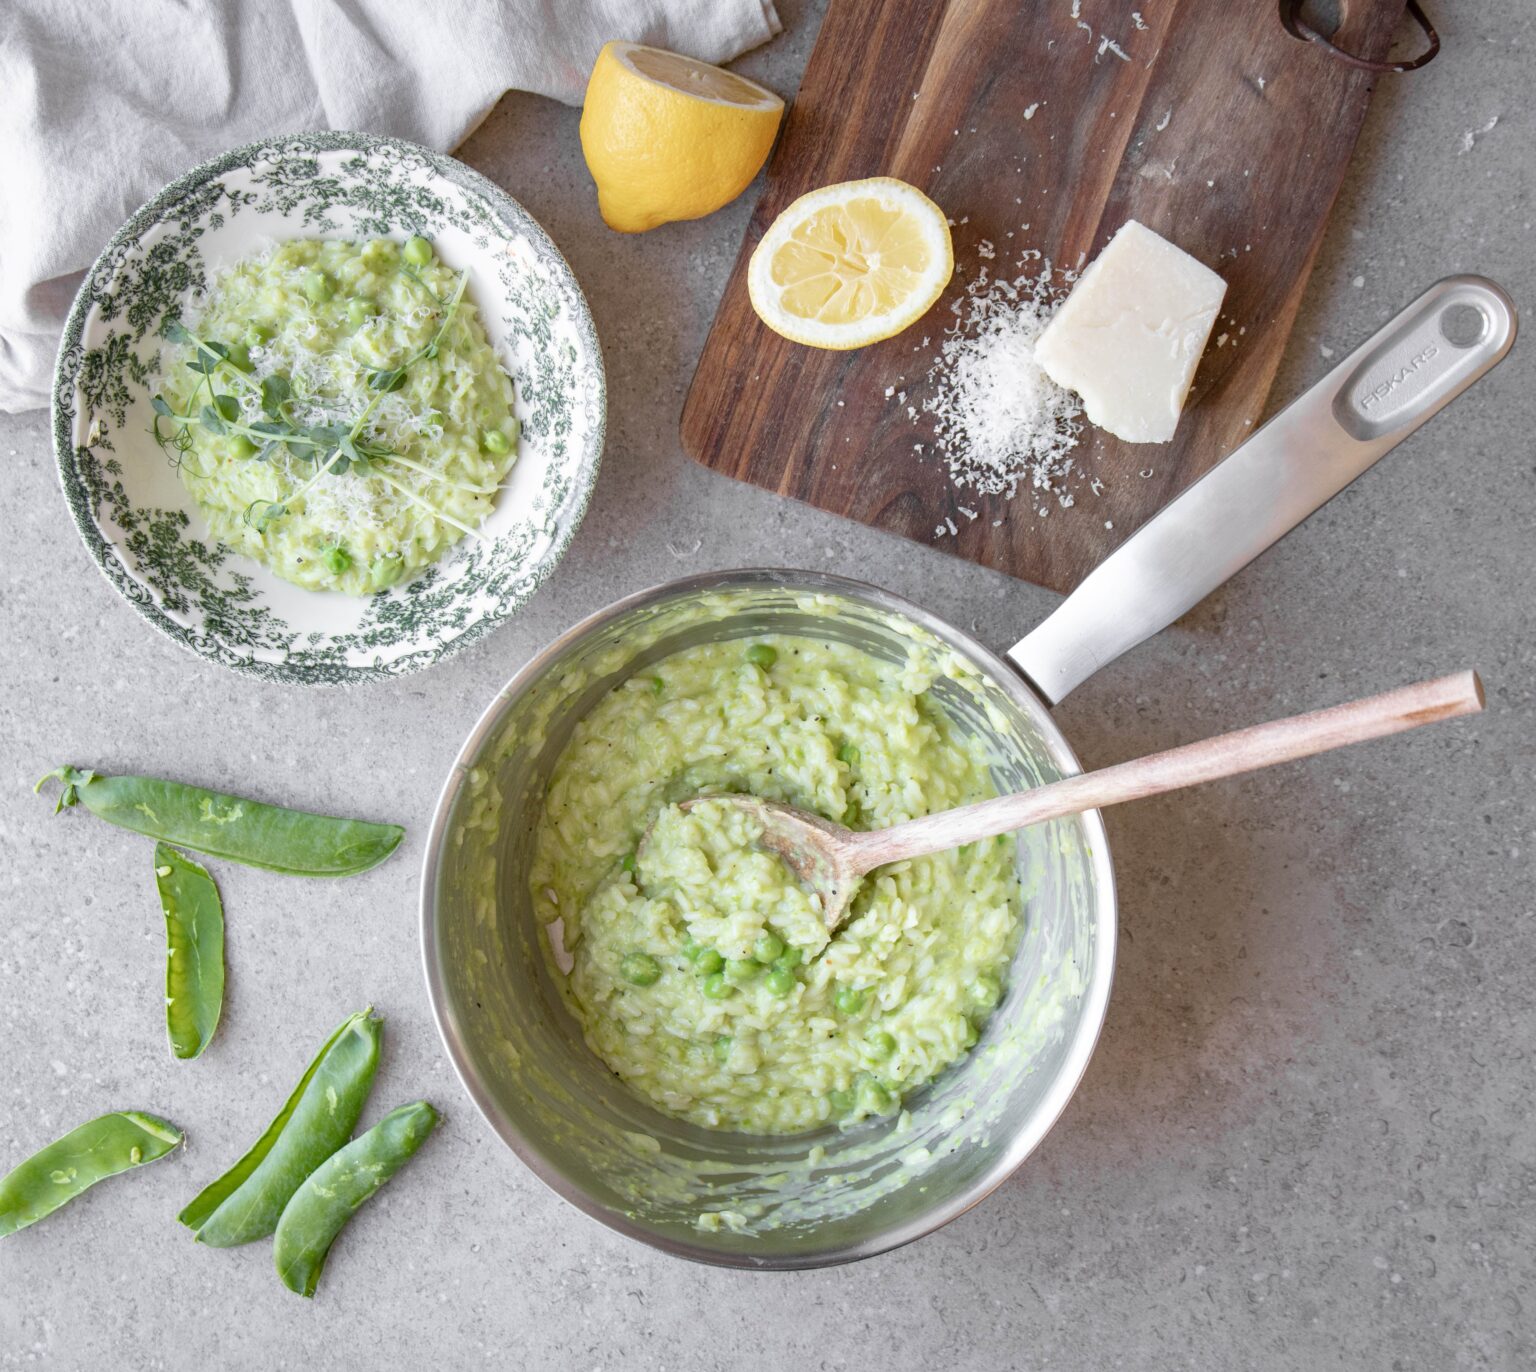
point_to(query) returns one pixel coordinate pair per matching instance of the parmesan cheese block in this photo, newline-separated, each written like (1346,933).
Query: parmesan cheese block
(1130,335)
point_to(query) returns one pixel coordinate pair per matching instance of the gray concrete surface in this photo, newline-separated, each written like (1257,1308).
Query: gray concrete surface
(1306,1138)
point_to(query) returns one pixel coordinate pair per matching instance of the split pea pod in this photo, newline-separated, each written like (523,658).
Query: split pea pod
(247,1201)
(194,950)
(335,1191)
(99,1149)
(248,831)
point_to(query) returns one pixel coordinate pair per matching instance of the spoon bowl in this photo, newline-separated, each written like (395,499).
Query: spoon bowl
(825,857)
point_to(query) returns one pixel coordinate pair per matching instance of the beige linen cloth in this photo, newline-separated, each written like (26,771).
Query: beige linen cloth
(103,102)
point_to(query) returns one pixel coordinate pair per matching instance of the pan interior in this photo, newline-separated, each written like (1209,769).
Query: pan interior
(727,1197)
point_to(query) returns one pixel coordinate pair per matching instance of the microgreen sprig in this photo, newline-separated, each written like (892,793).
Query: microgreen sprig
(394,377)
(332,448)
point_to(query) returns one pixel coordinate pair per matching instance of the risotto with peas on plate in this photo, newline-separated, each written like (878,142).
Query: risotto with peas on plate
(337,411)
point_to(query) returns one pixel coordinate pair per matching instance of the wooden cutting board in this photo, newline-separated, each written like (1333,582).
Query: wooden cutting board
(1216,128)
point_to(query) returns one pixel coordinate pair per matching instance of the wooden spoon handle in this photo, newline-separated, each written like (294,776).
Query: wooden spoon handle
(1246,750)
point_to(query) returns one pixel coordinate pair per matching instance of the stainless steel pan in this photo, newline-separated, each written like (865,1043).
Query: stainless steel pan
(832,1197)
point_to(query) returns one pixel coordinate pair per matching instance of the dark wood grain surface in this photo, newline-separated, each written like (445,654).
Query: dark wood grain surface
(1220,131)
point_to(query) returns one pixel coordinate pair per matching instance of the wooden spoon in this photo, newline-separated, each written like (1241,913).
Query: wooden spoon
(830,859)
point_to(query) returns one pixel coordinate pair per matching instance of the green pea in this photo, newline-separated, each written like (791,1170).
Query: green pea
(640,968)
(240,448)
(768,947)
(789,959)
(848,753)
(494,441)
(742,970)
(337,560)
(849,1000)
(194,946)
(247,1201)
(722,1047)
(417,251)
(840,1101)
(708,961)
(881,1044)
(358,312)
(317,287)
(716,987)
(86,1155)
(780,981)
(257,336)
(627,862)
(337,1188)
(232,827)
(873,1097)
(761,655)
(386,571)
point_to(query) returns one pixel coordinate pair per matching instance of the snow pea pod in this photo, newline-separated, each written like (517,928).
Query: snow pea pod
(194,950)
(280,840)
(246,1202)
(335,1190)
(97,1150)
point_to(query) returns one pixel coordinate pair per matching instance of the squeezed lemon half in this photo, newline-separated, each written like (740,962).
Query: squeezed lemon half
(850,264)
(666,137)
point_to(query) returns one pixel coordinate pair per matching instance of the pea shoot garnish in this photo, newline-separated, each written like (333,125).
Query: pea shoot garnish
(330,448)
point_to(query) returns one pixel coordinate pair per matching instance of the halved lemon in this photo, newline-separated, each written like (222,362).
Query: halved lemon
(667,137)
(850,264)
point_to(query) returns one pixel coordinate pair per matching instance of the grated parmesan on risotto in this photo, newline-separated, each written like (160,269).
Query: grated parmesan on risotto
(326,320)
(700,972)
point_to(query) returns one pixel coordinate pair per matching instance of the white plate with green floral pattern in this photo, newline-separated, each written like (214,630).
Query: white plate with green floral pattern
(142,526)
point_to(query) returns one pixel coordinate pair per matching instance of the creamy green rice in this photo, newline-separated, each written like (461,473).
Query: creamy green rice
(328,319)
(700,972)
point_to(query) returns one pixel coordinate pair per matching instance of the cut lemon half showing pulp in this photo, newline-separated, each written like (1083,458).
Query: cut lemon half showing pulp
(850,264)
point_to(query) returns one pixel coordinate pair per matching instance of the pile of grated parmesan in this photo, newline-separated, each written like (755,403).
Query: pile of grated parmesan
(998,420)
